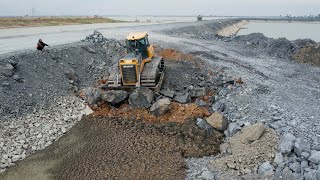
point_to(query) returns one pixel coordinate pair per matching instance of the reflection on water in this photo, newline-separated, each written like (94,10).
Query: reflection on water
(291,31)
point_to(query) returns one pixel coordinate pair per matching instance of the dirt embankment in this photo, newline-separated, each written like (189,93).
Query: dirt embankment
(308,54)
(202,30)
(232,29)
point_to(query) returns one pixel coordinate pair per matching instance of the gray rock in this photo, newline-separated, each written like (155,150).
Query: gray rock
(316,147)
(233,128)
(114,96)
(286,143)
(7,70)
(295,167)
(63,130)
(17,78)
(315,157)
(203,124)
(265,167)
(182,97)
(15,158)
(200,102)
(312,175)
(218,106)
(91,95)
(301,146)
(278,159)
(160,107)
(206,175)
(198,92)
(71,75)
(90,50)
(167,93)
(305,155)
(141,98)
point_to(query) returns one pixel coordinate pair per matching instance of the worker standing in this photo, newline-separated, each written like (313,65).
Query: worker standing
(41,45)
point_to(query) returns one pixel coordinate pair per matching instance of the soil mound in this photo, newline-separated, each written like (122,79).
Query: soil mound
(308,54)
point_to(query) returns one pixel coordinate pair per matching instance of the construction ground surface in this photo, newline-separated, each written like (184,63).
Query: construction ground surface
(47,132)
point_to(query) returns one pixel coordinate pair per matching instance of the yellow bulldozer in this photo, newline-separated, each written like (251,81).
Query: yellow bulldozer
(140,67)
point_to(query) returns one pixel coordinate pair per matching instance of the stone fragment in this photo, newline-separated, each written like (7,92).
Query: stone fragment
(160,107)
(265,167)
(114,97)
(218,106)
(218,121)
(301,146)
(278,159)
(315,157)
(167,93)
(286,143)
(141,98)
(252,133)
(198,92)
(182,97)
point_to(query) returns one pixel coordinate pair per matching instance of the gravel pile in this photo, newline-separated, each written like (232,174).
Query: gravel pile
(37,93)
(35,77)
(20,137)
(201,30)
(101,147)
(277,92)
(280,48)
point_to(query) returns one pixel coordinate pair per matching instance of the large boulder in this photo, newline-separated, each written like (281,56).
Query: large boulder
(114,96)
(286,143)
(141,98)
(252,133)
(160,107)
(91,95)
(218,121)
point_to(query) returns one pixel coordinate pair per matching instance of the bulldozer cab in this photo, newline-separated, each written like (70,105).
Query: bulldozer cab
(138,42)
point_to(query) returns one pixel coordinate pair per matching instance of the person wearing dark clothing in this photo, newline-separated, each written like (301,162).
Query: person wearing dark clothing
(41,45)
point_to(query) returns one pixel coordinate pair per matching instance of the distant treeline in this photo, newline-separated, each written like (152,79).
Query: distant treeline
(302,18)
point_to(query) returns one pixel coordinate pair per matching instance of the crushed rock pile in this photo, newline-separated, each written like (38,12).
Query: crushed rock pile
(25,135)
(280,48)
(31,78)
(31,115)
(111,148)
(244,152)
(202,30)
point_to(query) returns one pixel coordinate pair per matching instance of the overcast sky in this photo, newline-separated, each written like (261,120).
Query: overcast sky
(160,7)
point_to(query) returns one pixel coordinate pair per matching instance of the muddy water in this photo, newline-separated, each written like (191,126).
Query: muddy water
(291,31)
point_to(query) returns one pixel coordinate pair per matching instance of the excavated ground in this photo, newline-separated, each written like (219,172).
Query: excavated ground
(110,148)
(122,143)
